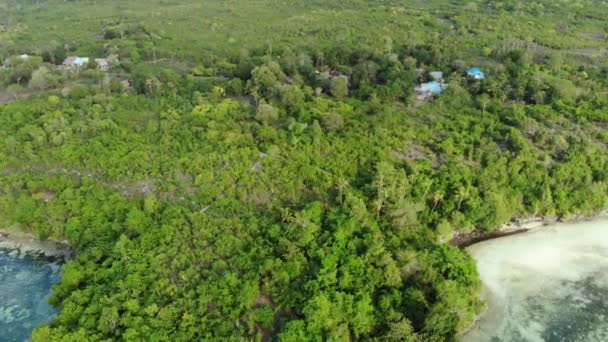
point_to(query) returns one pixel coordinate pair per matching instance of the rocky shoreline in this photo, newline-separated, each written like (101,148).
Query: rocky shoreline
(18,243)
(519,226)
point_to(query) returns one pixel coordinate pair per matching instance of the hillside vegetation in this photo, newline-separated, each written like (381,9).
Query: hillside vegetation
(270,174)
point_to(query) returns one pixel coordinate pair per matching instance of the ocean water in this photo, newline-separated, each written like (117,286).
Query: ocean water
(25,284)
(548,285)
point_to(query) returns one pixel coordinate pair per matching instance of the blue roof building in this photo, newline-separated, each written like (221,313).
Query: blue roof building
(476,73)
(80,61)
(433,87)
(74,61)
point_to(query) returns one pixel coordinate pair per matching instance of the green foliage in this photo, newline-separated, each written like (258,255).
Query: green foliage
(267,114)
(339,86)
(277,178)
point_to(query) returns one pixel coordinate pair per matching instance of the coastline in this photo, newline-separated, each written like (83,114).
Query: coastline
(520,226)
(531,224)
(489,306)
(23,243)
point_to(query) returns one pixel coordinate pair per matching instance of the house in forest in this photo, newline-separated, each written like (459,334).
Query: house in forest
(102,64)
(435,87)
(436,75)
(126,85)
(7,62)
(476,73)
(75,62)
(427,90)
(431,88)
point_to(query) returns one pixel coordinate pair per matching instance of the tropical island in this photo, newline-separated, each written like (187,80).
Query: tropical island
(294,171)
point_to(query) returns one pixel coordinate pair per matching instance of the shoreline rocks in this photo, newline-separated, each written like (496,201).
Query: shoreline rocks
(519,226)
(20,243)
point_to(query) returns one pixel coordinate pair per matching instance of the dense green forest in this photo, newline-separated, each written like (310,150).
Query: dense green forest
(268,173)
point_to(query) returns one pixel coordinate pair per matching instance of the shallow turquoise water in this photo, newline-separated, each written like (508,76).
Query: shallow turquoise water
(25,284)
(547,286)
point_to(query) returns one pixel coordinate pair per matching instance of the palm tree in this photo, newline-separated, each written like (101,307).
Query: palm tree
(378,203)
(287,215)
(405,213)
(428,183)
(484,100)
(539,97)
(342,184)
(437,197)
(462,193)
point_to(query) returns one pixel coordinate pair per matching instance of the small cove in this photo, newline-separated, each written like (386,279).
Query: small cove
(549,284)
(27,274)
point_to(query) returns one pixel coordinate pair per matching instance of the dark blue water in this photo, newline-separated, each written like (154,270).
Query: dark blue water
(25,285)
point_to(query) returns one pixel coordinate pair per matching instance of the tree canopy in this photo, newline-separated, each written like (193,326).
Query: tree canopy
(277,177)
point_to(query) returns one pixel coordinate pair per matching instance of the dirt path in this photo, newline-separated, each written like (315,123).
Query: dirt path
(7,98)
